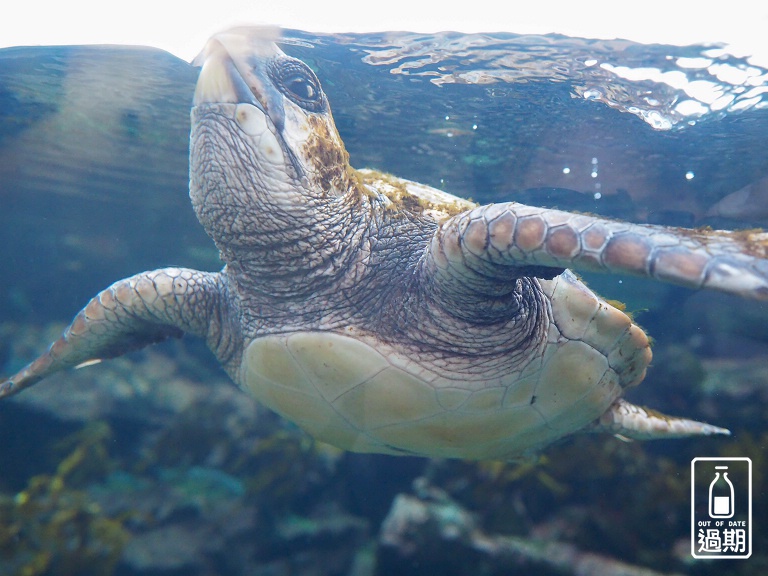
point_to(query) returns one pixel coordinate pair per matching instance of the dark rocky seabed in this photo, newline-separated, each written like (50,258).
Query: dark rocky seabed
(154,464)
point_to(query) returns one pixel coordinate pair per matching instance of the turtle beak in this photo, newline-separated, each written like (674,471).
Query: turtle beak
(219,81)
(233,70)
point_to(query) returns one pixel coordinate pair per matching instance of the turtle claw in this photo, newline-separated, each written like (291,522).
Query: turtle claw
(13,386)
(16,384)
(30,374)
(7,388)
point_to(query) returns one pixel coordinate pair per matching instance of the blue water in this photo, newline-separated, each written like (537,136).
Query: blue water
(93,188)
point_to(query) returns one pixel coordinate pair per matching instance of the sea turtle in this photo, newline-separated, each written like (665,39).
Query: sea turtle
(383,315)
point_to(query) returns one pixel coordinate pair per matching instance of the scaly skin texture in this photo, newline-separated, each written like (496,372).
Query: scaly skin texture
(483,239)
(470,306)
(133,313)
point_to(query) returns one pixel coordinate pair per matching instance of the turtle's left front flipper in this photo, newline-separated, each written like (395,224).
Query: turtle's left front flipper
(512,239)
(130,314)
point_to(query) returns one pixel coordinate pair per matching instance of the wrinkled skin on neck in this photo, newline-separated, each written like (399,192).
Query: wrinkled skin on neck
(270,180)
(270,226)
(308,245)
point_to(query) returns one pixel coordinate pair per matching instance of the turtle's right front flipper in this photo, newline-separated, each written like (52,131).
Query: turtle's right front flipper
(499,241)
(130,314)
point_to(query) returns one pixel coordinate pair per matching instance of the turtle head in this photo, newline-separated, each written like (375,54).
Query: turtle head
(264,149)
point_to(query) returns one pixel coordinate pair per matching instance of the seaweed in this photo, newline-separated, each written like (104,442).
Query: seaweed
(53,526)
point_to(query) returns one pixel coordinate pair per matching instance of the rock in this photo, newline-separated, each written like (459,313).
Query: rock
(430,533)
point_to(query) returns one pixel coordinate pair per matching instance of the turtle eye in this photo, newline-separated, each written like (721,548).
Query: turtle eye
(301,88)
(296,81)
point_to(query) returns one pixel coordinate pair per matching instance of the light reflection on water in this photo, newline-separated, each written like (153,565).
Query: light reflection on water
(703,79)
(89,133)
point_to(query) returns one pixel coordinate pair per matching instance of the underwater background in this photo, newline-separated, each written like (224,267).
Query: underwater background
(155,464)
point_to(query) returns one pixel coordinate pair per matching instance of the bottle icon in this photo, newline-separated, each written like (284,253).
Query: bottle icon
(721,495)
